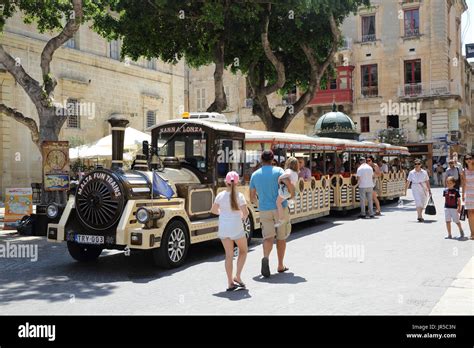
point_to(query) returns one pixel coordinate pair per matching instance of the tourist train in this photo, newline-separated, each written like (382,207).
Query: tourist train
(120,209)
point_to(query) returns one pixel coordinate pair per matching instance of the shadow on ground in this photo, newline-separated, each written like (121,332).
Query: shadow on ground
(56,277)
(237,295)
(280,278)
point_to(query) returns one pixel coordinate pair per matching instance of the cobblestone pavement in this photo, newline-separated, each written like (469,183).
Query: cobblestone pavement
(338,265)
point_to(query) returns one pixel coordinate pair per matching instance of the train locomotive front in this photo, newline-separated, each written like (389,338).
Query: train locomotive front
(118,209)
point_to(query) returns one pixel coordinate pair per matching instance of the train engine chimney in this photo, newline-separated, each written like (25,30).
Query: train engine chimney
(118,123)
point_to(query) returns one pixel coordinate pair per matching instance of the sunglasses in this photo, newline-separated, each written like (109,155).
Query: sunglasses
(468,159)
(417,164)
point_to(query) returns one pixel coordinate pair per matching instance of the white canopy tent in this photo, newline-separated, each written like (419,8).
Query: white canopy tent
(102,148)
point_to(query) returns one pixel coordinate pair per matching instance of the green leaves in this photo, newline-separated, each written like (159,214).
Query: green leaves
(50,15)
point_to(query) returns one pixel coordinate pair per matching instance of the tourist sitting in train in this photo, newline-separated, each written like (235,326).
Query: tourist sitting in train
(330,168)
(316,170)
(383,166)
(321,164)
(344,170)
(347,167)
(304,172)
(338,164)
(395,165)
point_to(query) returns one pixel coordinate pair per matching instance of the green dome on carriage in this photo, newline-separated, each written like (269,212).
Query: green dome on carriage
(336,124)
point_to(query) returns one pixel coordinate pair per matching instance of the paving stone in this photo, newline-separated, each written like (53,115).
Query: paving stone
(338,265)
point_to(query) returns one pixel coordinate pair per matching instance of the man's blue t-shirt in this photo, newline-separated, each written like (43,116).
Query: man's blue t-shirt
(265,180)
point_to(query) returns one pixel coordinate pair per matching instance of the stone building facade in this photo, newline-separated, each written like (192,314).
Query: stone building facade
(467,129)
(408,78)
(89,73)
(408,72)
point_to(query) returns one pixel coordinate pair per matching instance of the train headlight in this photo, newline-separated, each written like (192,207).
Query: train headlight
(52,211)
(143,216)
(146,214)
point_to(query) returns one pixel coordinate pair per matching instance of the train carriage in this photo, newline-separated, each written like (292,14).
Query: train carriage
(313,196)
(392,184)
(118,209)
(344,185)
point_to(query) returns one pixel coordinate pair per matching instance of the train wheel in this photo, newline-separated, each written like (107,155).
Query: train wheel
(83,253)
(249,229)
(174,246)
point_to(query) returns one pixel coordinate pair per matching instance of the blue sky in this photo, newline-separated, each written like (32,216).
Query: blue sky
(467,23)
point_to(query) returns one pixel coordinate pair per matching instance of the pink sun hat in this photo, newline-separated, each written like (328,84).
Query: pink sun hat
(232,176)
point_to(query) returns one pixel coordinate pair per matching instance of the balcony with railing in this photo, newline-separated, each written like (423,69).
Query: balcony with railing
(370,92)
(339,91)
(368,38)
(412,32)
(433,89)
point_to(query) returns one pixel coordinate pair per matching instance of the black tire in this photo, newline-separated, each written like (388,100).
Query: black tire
(83,253)
(249,231)
(249,228)
(172,253)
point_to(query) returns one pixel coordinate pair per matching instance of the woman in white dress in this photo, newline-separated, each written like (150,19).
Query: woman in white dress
(467,184)
(231,207)
(420,188)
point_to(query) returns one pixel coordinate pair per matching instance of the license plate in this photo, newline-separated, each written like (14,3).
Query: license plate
(86,239)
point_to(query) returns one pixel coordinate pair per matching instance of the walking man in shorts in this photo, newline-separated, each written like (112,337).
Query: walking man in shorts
(264,183)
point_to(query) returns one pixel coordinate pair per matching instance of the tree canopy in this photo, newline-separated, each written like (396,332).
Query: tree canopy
(61,18)
(278,44)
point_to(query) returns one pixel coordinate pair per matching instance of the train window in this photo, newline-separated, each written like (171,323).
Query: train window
(190,149)
(230,157)
(179,149)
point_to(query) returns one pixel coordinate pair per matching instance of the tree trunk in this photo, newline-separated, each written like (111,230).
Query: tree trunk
(256,78)
(271,122)
(277,125)
(220,101)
